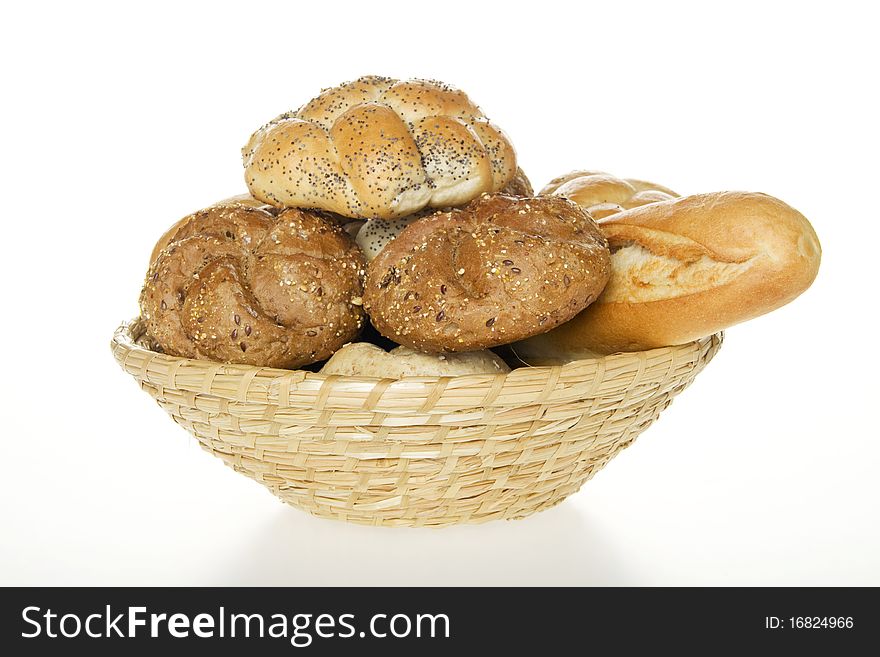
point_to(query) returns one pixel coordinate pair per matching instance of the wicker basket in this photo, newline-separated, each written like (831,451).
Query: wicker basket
(421,451)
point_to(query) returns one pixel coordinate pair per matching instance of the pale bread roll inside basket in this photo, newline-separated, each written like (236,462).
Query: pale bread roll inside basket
(419,451)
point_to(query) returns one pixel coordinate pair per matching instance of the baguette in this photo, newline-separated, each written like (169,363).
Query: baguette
(687,268)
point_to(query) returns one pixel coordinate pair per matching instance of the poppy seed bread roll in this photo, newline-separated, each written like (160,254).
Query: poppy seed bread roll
(686,268)
(379,148)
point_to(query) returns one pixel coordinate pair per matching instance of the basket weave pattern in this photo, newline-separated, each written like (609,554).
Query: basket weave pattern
(423,450)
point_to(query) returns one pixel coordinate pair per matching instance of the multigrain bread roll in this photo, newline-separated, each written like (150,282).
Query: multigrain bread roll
(496,270)
(686,268)
(237,284)
(603,195)
(379,147)
(366,359)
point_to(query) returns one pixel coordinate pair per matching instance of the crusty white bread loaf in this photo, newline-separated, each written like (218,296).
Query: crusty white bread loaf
(379,147)
(686,268)
(366,359)
(602,194)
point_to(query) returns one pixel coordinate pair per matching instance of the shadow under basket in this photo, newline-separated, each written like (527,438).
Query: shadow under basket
(419,451)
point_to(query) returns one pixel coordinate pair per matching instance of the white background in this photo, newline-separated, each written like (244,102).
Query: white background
(117,120)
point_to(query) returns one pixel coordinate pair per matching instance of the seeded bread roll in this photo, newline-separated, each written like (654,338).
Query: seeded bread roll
(604,195)
(366,359)
(497,270)
(374,234)
(687,268)
(237,284)
(379,147)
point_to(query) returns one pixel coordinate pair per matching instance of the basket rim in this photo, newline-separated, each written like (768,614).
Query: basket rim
(303,388)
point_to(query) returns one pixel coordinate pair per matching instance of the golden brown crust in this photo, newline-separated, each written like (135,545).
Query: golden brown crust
(687,268)
(604,195)
(237,284)
(497,270)
(379,148)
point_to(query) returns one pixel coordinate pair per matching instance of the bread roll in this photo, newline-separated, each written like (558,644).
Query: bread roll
(375,234)
(379,147)
(687,268)
(604,195)
(366,359)
(237,284)
(496,270)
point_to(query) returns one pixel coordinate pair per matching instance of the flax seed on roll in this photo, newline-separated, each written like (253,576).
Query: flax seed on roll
(686,268)
(496,270)
(237,284)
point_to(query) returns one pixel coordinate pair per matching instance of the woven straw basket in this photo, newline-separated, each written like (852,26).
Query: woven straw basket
(421,451)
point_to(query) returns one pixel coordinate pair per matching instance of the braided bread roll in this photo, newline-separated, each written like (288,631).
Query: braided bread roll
(237,284)
(603,195)
(379,147)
